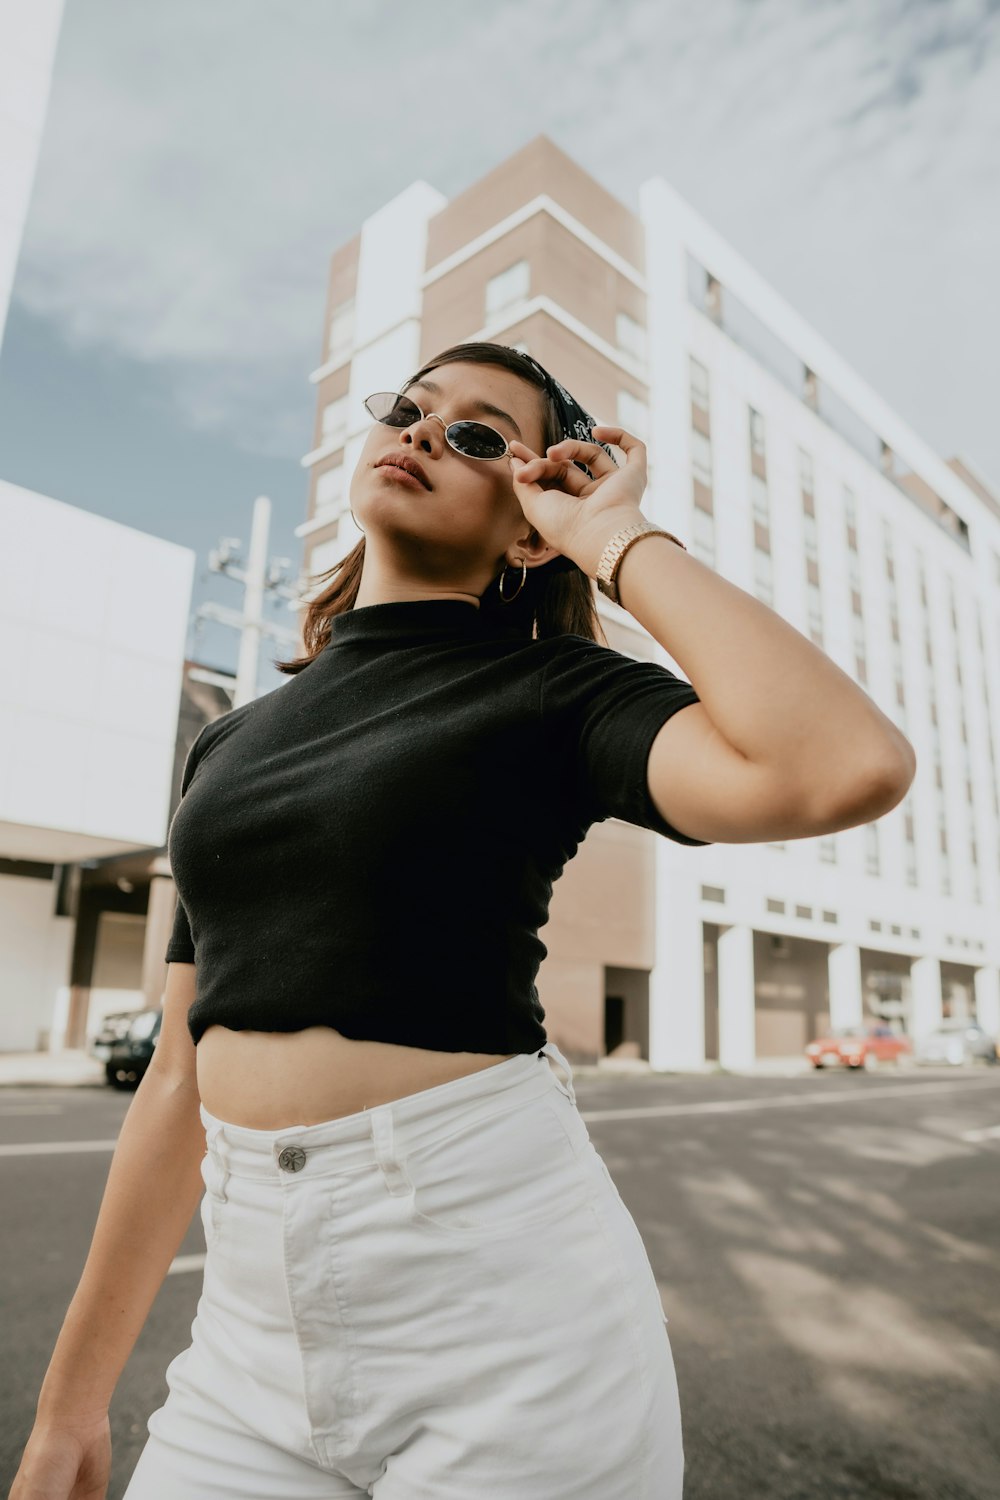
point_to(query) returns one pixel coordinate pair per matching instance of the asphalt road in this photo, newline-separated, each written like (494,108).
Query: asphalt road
(827,1250)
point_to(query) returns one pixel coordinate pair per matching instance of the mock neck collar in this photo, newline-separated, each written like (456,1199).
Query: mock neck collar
(412,620)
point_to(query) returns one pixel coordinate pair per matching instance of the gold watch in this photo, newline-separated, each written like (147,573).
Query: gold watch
(610,559)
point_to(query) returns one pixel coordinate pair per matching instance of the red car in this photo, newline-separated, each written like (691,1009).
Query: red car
(865,1046)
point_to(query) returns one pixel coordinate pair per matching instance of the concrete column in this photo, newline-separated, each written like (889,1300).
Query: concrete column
(737,1011)
(926,1010)
(677,980)
(844,971)
(987,987)
(159,922)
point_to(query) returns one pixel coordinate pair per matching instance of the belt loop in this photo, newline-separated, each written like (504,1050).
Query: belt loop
(382,1135)
(553,1051)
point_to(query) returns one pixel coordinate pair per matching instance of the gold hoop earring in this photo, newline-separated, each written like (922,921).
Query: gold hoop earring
(524,574)
(354,519)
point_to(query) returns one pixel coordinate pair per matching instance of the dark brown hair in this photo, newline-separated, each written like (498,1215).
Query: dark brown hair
(556,598)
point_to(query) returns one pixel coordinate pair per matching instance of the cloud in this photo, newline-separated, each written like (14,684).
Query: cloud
(201,163)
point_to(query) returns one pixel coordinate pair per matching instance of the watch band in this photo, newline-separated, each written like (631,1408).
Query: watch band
(615,550)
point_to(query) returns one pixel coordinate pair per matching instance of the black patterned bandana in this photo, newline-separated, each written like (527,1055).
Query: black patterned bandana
(573,421)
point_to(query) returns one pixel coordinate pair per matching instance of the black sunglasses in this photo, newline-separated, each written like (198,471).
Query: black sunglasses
(471,439)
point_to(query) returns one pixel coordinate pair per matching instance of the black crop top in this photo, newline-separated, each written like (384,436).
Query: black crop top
(372,845)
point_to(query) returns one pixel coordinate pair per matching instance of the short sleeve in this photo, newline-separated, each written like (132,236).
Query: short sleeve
(180,948)
(601,711)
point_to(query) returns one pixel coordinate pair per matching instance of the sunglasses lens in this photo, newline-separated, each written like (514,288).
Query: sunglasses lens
(393,409)
(476,440)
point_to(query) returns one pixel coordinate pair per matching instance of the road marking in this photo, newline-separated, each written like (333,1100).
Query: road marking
(782,1101)
(53,1148)
(990,1133)
(650,1112)
(182,1263)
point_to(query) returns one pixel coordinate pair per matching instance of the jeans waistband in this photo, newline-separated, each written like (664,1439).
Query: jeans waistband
(372,1136)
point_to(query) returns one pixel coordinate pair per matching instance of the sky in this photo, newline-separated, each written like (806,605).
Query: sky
(201,162)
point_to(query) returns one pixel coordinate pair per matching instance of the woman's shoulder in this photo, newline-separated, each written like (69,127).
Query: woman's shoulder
(223,724)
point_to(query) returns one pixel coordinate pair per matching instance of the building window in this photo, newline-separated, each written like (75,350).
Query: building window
(858,630)
(871,848)
(805,471)
(850,509)
(330,488)
(763,574)
(630,336)
(633,414)
(756,432)
(814,603)
(699,383)
(703,529)
(334,424)
(341,330)
(506,289)
(701,457)
(758,498)
(322,557)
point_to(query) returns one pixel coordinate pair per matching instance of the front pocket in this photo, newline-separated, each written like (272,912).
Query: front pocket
(515,1170)
(212,1199)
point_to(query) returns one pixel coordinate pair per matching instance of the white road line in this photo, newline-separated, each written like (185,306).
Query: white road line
(650,1112)
(990,1133)
(781,1101)
(55,1148)
(182,1263)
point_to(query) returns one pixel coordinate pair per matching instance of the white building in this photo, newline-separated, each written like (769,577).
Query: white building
(796,481)
(29,31)
(784,471)
(93,622)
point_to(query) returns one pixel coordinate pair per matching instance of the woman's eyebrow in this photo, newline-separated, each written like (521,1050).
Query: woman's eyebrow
(483,407)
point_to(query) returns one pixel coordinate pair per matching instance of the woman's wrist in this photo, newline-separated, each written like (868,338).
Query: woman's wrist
(587,548)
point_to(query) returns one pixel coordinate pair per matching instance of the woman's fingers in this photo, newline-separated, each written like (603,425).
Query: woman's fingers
(562,472)
(592,454)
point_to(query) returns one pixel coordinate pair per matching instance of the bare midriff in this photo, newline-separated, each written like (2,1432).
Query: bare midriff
(267,1080)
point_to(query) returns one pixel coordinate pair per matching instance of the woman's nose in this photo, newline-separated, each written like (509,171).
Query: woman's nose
(424,438)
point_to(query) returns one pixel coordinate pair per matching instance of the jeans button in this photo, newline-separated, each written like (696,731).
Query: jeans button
(292,1159)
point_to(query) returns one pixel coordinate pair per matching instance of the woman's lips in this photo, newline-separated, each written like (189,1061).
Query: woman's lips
(395,472)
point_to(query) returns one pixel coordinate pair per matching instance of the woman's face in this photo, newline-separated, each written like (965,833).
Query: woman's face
(458,533)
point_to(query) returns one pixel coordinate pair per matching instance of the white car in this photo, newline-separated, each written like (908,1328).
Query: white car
(958,1042)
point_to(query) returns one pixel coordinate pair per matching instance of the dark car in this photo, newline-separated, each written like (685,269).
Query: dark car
(130,1054)
(113,1027)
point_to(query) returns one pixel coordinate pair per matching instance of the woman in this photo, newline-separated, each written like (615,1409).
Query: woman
(420,1279)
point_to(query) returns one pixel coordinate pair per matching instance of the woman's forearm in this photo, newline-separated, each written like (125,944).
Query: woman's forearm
(778,699)
(153,1188)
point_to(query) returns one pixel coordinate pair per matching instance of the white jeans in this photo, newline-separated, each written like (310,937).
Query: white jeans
(440,1298)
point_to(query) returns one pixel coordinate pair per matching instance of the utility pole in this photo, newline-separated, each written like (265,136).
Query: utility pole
(258,579)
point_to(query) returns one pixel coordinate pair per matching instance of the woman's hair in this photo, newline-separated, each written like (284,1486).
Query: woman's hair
(556,598)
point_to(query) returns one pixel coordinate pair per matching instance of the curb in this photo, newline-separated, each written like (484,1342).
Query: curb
(67,1069)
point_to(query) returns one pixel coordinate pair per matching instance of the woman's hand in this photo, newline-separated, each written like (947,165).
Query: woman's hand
(65,1460)
(572,513)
